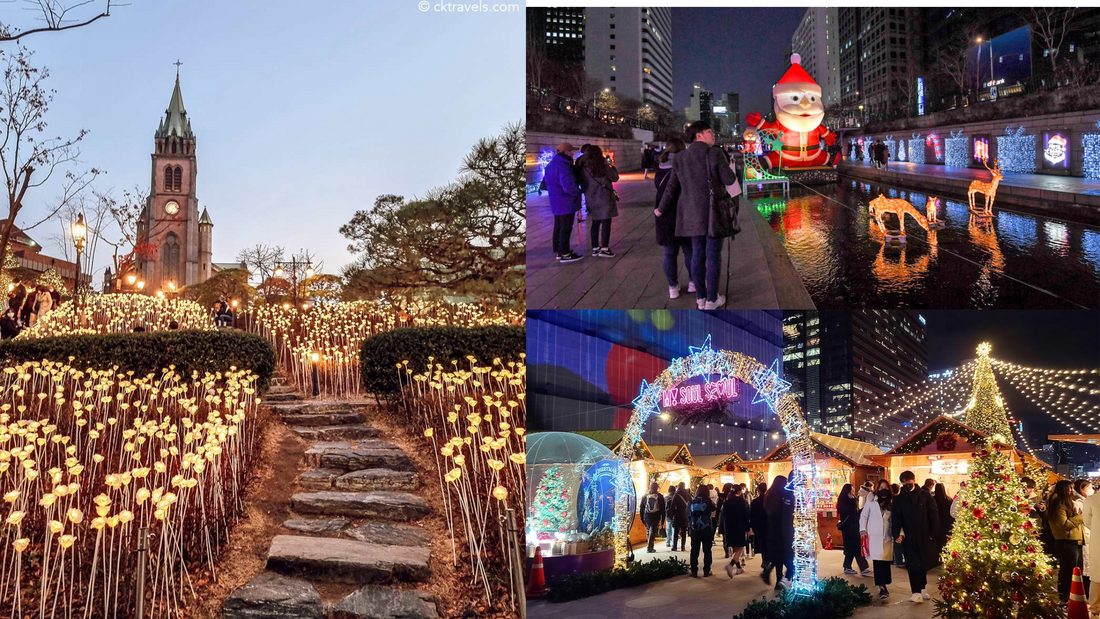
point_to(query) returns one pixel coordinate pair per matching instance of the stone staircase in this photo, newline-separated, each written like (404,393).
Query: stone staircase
(353,510)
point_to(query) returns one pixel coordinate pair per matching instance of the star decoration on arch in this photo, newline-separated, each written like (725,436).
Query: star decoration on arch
(770,387)
(645,400)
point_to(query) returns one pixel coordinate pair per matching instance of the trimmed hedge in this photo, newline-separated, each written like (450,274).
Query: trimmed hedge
(380,354)
(577,586)
(835,598)
(204,351)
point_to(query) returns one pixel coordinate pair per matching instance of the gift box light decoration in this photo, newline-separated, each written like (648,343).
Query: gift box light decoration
(1090,147)
(1016,151)
(891,148)
(771,389)
(956,150)
(916,149)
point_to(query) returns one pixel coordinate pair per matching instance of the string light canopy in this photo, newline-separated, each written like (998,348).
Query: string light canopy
(771,389)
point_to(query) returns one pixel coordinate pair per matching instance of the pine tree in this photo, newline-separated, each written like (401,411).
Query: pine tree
(994,566)
(986,411)
(549,511)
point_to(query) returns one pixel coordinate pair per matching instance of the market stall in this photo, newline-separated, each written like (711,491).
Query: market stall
(724,469)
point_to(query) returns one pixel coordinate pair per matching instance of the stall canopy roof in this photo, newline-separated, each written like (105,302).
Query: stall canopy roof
(669,453)
(927,435)
(854,452)
(611,440)
(717,461)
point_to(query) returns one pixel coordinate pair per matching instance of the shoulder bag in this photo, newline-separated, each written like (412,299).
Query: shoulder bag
(723,209)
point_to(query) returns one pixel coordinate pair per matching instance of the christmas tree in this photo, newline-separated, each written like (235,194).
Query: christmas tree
(549,511)
(986,410)
(994,566)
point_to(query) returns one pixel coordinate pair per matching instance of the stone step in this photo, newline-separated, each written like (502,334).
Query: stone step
(275,596)
(323,525)
(390,533)
(366,454)
(319,479)
(374,602)
(377,479)
(332,433)
(325,559)
(378,504)
(322,419)
(308,407)
(279,389)
(283,397)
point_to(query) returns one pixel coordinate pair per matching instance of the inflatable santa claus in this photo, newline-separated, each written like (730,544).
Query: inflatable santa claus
(799,111)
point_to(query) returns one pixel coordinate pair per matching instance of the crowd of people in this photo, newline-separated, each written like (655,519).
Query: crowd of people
(26,306)
(695,211)
(883,525)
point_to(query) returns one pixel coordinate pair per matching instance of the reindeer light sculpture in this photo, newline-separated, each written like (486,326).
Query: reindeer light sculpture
(882,205)
(989,189)
(932,214)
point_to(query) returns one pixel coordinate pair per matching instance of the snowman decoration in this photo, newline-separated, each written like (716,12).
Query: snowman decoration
(799,110)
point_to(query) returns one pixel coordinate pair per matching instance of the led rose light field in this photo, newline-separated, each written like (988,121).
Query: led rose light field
(120,313)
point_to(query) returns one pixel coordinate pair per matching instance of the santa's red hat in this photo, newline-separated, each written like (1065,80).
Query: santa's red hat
(796,78)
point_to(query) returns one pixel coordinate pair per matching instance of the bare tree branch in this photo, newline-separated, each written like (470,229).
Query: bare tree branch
(54,13)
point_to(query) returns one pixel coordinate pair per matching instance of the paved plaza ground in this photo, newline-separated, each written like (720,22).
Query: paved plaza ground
(718,597)
(756,273)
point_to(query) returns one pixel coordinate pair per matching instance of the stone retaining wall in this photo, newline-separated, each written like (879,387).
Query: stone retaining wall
(628,153)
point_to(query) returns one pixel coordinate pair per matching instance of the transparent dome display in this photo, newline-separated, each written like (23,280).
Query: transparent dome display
(572,484)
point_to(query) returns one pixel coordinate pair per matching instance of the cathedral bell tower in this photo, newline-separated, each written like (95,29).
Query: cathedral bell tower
(179,252)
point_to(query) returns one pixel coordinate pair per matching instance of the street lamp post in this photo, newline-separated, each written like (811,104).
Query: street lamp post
(294,263)
(80,232)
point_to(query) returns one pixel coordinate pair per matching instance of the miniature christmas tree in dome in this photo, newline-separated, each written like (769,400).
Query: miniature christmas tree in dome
(994,566)
(549,509)
(986,410)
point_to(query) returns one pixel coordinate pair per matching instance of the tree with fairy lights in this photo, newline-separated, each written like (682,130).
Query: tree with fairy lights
(549,509)
(994,566)
(986,410)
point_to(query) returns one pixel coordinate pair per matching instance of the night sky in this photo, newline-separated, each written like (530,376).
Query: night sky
(1042,339)
(731,50)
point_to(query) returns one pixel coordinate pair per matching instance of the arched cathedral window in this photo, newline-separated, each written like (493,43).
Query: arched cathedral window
(170,259)
(168,178)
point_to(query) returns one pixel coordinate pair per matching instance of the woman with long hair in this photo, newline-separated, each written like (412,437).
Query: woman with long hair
(597,179)
(874,522)
(899,556)
(943,506)
(735,522)
(666,224)
(758,522)
(779,504)
(723,496)
(1067,525)
(847,513)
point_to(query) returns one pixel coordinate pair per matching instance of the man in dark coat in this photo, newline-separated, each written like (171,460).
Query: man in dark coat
(915,519)
(565,199)
(679,509)
(652,509)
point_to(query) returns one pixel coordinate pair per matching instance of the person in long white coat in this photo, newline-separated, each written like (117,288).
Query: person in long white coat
(1090,514)
(874,524)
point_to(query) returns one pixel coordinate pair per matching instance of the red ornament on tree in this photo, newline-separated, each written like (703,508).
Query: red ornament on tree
(978,512)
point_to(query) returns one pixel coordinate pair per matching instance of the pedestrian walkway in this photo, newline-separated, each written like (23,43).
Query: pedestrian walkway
(756,273)
(354,524)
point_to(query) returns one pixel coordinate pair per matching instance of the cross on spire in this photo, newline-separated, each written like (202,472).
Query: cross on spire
(177,63)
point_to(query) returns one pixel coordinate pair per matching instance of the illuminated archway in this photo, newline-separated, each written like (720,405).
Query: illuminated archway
(706,362)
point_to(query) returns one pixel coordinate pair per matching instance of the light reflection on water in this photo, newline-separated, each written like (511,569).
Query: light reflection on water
(844,260)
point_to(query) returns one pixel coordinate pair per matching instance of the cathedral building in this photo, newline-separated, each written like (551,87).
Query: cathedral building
(171,223)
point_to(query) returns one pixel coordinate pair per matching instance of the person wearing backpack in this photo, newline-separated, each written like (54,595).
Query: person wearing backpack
(701,527)
(653,509)
(670,531)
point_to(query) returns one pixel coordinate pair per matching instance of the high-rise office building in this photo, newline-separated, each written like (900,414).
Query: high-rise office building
(817,359)
(701,105)
(879,61)
(630,51)
(733,110)
(817,41)
(557,32)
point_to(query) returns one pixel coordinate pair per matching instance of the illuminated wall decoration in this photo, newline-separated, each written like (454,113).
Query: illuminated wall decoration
(1016,151)
(891,148)
(1056,150)
(901,150)
(920,96)
(535,168)
(979,150)
(770,388)
(916,149)
(933,149)
(957,151)
(1090,146)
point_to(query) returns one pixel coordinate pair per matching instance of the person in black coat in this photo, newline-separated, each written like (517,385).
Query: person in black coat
(652,508)
(666,224)
(779,504)
(670,529)
(915,520)
(678,506)
(736,524)
(943,509)
(701,525)
(758,522)
(847,513)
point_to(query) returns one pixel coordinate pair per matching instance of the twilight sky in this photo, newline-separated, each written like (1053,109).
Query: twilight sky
(732,50)
(303,112)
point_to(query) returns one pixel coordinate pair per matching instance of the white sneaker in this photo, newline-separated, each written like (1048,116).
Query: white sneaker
(740,570)
(924,594)
(917,599)
(719,302)
(785,583)
(701,303)
(691,286)
(673,292)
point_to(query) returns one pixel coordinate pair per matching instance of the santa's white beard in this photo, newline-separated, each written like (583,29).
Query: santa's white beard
(799,123)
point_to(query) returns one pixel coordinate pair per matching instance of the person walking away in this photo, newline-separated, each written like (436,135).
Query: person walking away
(736,523)
(565,199)
(913,521)
(653,509)
(874,524)
(723,496)
(1090,517)
(847,513)
(670,531)
(647,161)
(680,505)
(702,530)
(699,179)
(758,523)
(666,224)
(1067,525)
(597,180)
(947,521)
(779,504)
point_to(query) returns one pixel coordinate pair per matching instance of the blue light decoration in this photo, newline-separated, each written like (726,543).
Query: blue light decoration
(891,146)
(956,151)
(1016,151)
(1090,146)
(774,387)
(920,98)
(916,149)
(901,150)
(1056,150)
(536,169)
